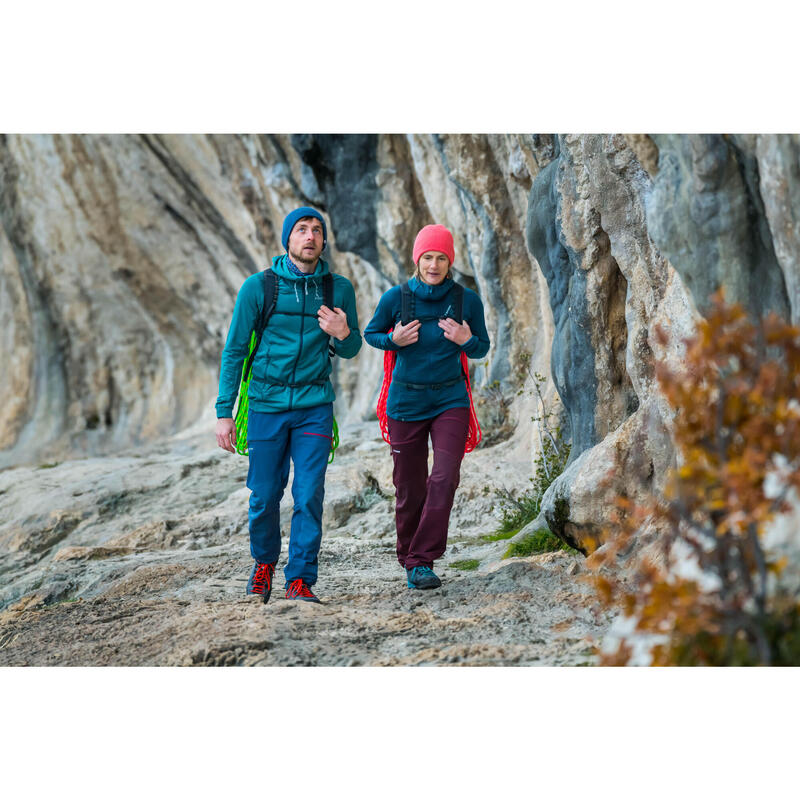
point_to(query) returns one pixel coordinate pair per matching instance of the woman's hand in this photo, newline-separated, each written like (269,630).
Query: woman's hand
(406,334)
(460,334)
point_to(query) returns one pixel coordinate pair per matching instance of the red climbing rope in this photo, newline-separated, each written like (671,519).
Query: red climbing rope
(474,434)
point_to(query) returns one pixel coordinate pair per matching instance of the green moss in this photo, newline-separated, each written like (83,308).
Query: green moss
(541,541)
(467,563)
(500,535)
(48,466)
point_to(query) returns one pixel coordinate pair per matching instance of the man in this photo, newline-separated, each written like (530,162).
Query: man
(290,399)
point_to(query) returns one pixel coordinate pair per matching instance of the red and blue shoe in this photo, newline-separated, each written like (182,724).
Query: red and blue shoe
(299,590)
(261,580)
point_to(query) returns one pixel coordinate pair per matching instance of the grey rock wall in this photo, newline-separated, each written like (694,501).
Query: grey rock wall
(121,257)
(587,294)
(634,233)
(706,215)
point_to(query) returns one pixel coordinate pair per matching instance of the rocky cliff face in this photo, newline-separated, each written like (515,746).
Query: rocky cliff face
(633,232)
(121,257)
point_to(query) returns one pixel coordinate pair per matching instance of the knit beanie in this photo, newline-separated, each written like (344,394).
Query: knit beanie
(293,217)
(434,237)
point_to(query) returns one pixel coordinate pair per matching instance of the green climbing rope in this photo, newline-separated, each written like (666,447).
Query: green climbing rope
(334,441)
(243,406)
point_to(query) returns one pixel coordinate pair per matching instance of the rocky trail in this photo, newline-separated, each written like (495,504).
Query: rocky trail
(142,559)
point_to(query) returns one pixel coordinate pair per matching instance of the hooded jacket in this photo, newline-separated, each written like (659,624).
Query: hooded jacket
(432,360)
(291,368)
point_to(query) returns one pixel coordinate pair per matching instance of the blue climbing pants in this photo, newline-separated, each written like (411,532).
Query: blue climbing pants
(304,436)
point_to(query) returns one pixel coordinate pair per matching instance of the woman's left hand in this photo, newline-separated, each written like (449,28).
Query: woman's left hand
(460,334)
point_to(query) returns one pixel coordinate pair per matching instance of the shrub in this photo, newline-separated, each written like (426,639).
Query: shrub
(736,430)
(519,510)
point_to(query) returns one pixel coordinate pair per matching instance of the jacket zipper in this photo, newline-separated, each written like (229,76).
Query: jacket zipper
(299,350)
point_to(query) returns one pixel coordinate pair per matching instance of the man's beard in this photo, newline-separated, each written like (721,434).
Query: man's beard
(299,258)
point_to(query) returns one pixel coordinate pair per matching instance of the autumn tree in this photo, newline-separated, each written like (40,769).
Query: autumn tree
(710,591)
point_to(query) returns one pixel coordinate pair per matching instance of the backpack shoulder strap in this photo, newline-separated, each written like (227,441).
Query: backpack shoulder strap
(406,304)
(270,280)
(327,300)
(458,302)
(327,290)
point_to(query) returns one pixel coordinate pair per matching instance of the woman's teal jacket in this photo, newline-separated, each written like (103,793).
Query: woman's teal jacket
(416,392)
(291,368)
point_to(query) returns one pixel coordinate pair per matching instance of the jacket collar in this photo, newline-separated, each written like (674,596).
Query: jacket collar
(282,268)
(424,291)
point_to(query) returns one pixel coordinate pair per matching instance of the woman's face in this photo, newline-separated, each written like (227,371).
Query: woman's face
(433,267)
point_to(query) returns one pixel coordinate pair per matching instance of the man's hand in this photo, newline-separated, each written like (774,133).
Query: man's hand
(226,434)
(460,334)
(334,323)
(406,334)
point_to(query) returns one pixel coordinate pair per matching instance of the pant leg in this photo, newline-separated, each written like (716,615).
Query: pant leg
(410,475)
(310,445)
(267,439)
(448,436)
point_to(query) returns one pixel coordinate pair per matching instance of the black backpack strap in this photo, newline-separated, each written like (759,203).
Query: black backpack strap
(327,299)
(458,316)
(327,290)
(270,281)
(458,302)
(406,304)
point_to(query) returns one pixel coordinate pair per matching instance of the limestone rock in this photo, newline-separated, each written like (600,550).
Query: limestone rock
(121,257)
(633,460)
(707,216)
(779,187)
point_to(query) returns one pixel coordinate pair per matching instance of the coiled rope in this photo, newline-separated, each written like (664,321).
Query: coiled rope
(243,406)
(474,433)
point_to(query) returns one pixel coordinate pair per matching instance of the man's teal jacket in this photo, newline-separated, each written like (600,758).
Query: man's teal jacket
(291,368)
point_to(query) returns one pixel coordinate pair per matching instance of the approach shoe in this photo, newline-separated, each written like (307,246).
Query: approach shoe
(299,590)
(422,578)
(261,580)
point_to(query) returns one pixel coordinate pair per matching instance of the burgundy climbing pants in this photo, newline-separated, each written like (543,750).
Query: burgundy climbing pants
(422,512)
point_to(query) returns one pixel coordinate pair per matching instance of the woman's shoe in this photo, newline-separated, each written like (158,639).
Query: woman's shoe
(422,578)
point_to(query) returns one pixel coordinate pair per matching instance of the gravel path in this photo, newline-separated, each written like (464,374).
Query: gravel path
(142,559)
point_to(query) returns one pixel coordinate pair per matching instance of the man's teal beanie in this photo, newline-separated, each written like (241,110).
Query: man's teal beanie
(294,216)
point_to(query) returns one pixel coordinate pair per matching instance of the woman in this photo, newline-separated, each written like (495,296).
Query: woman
(428,396)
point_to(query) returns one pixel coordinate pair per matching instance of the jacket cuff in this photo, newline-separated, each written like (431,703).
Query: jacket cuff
(344,347)
(469,344)
(390,343)
(348,338)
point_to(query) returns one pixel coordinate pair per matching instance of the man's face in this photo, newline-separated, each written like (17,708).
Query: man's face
(305,241)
